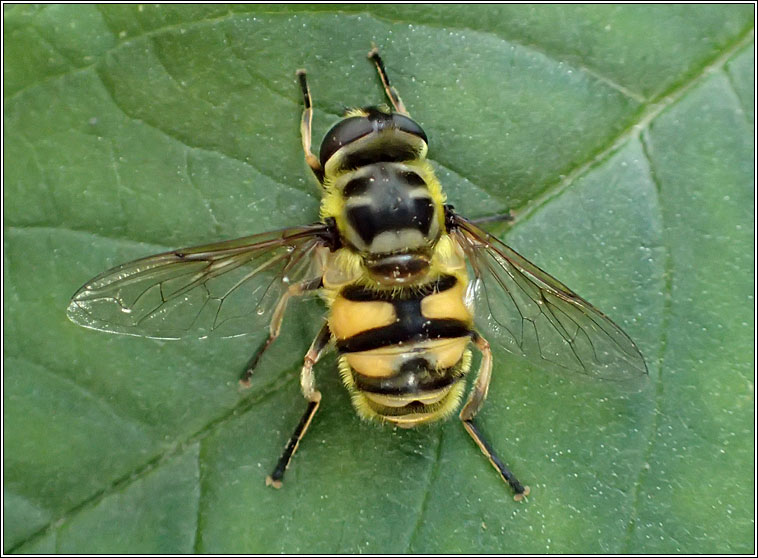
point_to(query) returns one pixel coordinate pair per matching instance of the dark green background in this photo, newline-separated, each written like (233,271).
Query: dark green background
(620,135)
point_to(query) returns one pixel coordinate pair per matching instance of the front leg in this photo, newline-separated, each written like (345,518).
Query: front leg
(306,128)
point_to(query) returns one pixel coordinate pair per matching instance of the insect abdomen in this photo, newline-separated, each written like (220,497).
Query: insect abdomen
(403,352)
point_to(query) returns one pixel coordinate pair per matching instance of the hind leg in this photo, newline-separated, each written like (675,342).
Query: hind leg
(471,408)
(312,395)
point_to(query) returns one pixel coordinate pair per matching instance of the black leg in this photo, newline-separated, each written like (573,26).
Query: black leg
(471,408)
(493,219)
(312,395)
(519,489)
(305,128)
(391,92)
(253,362)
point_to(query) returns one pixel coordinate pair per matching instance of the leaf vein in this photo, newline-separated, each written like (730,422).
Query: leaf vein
(733,87)
(433,470)
(638,97)
(668,274)
(182,142)
(648,112)
(133,423)
(198,542)
(89,234)
(174,450)
(206,202)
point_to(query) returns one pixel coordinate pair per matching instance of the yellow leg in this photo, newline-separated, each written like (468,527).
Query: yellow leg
(312,395)
(305,128)
(472,407)
(298,289)
(391,92)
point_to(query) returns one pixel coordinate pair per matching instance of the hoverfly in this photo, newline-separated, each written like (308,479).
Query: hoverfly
(401,274)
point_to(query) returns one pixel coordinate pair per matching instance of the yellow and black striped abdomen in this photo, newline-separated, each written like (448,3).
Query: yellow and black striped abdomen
(404,351)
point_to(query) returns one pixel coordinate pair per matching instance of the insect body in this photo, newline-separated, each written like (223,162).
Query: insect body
(409,283)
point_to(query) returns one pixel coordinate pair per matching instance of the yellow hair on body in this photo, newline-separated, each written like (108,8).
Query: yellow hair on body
(440,411)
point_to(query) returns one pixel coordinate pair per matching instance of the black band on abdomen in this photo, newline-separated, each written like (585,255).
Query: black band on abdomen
(414,376)
(405,331)
(361,293)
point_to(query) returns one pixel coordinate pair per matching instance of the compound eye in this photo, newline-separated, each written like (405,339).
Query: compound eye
(405,124)
(342,133)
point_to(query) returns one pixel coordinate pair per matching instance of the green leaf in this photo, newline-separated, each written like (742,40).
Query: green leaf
(620,136)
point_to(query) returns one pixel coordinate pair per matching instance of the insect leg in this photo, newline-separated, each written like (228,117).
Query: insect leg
(471,408)
(305,127)
(298,289)
(391,92)
(493,219)
(307,383)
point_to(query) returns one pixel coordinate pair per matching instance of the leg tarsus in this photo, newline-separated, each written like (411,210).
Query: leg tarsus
(471,408)
(245,380)
(273,483)
(312,395)
(277,475)
(499,218)
(520,491)
(305,127)
(391,92)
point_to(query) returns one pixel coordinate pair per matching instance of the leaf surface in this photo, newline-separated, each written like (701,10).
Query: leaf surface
(621,136)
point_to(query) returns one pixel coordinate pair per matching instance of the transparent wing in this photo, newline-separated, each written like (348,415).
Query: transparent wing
(536,316)
(224,289)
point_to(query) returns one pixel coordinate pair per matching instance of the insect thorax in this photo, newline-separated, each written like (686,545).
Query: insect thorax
(383,194)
